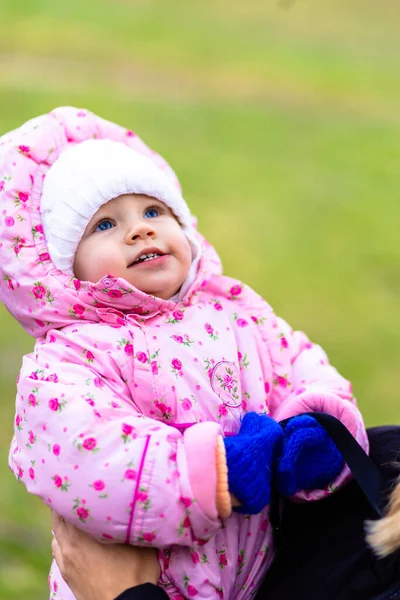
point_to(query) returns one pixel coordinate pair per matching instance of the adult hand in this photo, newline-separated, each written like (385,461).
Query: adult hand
(96,571)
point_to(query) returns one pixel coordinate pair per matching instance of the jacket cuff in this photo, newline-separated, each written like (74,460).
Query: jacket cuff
(223,499)
(201,449)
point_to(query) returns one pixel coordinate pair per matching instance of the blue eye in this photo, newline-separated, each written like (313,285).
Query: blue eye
(104,225)
(150,213)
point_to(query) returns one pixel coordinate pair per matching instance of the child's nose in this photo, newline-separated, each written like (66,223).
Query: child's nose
(140,230)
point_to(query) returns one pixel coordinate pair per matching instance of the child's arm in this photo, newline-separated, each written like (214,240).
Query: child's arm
(81,445)
(302,379)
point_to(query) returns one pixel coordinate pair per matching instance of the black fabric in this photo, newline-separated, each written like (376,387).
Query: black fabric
(323,554)
(146,591)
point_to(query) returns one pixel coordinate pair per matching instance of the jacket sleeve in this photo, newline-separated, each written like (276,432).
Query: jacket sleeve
(302,380)
(81,445)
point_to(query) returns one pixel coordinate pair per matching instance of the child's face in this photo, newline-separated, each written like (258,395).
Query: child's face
(123,230)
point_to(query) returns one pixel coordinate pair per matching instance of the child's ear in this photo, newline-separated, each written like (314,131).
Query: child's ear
(384,535)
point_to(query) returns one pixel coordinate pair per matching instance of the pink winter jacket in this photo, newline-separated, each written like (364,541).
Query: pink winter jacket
(121,402)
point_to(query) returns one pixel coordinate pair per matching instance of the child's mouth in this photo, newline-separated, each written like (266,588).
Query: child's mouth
(148,257)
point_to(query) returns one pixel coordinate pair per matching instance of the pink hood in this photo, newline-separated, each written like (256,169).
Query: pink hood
(34,291)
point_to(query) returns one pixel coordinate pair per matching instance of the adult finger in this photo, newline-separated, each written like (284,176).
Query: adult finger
(57,553)
(56,521)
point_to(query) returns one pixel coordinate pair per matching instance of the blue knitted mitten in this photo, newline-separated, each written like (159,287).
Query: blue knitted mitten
(310,460)
(252,457)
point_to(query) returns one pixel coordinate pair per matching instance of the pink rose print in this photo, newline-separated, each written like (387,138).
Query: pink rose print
(89,443)
(76,282)
(82,513)
(166,411)
(18,421)
(186,404)
(2,185)
(52,377)
(186,522)
(142,496)
(176,316)
(32,400)
(229,381)
(282,381)
(31,473)
(217,306)
(128,349)
(32,437)
(148,537)
(98,382)
(186,501)
(24,149)
(89,356)
(9,221)
(130,474)
(99,485)
(10,284)
(241,323)
(128,433)
(225,382)
(141,357)
(210,330)
(39,291)
(54,404)
(266,387)
(78,309)
(61,484)
(176,367)
(195,557)
(222,410)
(127,429)
(191,590)
(23,196)
(284,342)
(154,367)
(186,341)
(44,256)
(263,526)
(223,560)
(56,450)
(235,291)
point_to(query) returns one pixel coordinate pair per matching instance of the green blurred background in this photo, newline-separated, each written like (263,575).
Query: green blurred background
(282,121)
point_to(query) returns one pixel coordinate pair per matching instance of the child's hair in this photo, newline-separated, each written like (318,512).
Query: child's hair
(384,535)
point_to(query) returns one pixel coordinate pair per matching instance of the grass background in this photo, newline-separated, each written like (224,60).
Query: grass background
(282,121)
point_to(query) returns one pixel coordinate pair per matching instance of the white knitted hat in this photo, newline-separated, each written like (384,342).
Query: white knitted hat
(88,175)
